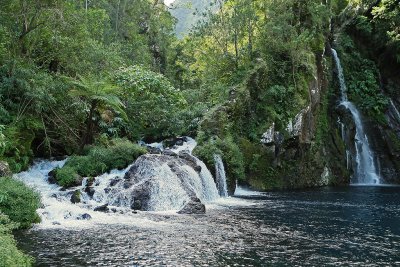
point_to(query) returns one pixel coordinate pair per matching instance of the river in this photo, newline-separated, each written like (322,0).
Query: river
(348,226)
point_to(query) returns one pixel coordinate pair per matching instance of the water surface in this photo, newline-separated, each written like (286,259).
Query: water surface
(351,226)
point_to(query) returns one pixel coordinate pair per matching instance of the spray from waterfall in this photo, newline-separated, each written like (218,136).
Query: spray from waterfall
(365,168)
(220,176)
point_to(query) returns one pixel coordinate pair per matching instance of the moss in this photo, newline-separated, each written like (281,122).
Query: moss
(117,154)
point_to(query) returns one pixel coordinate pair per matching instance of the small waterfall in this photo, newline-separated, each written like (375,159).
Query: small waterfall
(395,110)
(365,171)
(220,176)
(170,183)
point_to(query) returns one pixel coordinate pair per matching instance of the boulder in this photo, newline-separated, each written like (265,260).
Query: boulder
(84,216)
(102,208)
(90,191)
(4,169)
(115,181)
(76,197)
(268,137)
(51,177)
(169,152)
(194,206)
(163,182)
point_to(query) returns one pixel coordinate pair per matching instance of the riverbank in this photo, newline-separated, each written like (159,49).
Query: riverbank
(18,205)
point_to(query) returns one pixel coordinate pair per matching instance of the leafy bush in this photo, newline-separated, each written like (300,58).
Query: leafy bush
(118,154)
(19,202)
(10,256)
(67,176)
(362,78)
(231,156)
(152,103)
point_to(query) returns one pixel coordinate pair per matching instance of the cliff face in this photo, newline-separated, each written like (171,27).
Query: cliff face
(312,154)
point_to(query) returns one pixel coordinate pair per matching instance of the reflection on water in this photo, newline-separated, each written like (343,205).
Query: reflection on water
(345,226)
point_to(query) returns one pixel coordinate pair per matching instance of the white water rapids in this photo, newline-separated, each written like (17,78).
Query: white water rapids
(167,194)
(220,176)
(365,170)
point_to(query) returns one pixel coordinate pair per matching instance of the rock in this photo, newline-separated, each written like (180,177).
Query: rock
(162,182)
(169,152)
(268,137)
(102,208)
(115,181)
(194,206)
(84,216)
(190,159)
(136,205)
(295,126)
(107,190)
(153,150)
(325,177)
(5,169)
(51,177)
(90,191)
(177,141)
(76,197)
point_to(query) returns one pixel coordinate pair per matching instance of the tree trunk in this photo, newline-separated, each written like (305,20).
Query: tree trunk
(88,135)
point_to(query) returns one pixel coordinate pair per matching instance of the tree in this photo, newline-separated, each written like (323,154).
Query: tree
(152,103)
(97,95)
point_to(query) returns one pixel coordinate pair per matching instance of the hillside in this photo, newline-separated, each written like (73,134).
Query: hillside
(188,13)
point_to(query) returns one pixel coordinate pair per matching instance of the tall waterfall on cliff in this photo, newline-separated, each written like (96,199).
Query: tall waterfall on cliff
(220,176)
(365,170)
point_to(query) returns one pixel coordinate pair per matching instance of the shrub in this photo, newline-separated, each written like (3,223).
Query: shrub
(118,154)
(67,176)
(10,256)
(19,202)
(152,103)
(231,156)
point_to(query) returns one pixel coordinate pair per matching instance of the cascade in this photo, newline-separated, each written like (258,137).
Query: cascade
(220,176)
(365,167)
(396,111)
(166,182)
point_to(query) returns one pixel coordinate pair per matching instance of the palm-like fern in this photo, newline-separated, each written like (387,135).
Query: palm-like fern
(98,94)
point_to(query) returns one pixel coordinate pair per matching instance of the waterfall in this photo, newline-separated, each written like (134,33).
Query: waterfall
(395,110)
(365,171)
(166,182)
(220,176)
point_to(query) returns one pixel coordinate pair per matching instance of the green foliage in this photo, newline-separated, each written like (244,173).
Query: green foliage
(55,57)
(10,256)
(18,202)
(260,172)
(117,154)
(230,153)
(362,80)
(152,103)
(67,176)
